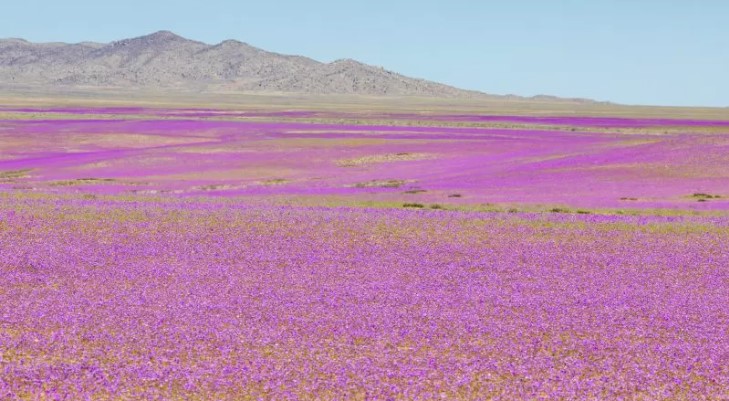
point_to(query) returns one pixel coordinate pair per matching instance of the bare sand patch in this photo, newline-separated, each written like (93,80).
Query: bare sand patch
(384,158)
(129,140)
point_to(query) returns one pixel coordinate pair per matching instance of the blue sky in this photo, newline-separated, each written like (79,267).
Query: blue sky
(669,52)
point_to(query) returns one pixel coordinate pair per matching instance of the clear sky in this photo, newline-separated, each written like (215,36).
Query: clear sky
(667,52)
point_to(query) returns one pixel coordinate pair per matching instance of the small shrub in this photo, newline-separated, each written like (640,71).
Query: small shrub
(628,199)
(381,184)
(64,183)
(415,191)
(436,206)
(80,181)
(211,187)
(559,210)
(94,179)
(414,205)
(275,181)
(584,212)
(702,196)
(455,195)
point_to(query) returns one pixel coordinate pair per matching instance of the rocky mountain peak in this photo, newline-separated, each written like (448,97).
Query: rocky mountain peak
(164,59)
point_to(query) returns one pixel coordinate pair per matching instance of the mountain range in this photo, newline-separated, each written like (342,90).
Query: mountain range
(164,60)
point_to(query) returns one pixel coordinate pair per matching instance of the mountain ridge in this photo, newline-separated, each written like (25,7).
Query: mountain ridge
(164,60)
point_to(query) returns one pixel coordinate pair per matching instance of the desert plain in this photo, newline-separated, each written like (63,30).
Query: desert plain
(329,247)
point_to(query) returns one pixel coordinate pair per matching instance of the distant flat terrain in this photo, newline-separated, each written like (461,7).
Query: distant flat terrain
(346,155)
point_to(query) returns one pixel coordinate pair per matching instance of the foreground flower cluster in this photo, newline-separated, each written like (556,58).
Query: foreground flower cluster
(140,299)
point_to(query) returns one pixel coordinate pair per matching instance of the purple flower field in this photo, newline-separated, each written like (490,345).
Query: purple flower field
(144,255)
(145,151)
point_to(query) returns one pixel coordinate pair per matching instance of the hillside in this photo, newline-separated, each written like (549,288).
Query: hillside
(164,60)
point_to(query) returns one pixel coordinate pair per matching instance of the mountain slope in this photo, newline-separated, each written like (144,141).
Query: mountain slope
(165,60)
